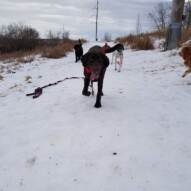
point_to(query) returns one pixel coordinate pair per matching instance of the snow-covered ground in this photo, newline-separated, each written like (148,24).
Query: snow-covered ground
(139,140)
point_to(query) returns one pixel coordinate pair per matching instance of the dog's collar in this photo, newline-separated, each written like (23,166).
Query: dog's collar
(88,70)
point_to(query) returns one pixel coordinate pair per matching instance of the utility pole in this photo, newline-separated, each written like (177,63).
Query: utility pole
(174,30)
(96,38)
(177,10)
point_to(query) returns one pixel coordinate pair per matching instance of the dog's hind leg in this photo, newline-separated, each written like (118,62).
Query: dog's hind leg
(120,64)
(186,72)
(116,62)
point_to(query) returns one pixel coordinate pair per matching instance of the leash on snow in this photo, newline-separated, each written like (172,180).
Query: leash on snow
(38,91)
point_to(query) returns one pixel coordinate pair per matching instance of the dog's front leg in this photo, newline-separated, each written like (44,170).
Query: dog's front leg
(99,94)
(86,85)
(186,72)
(112,57)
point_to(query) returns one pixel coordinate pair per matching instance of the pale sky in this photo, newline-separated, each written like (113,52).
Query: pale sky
(117,18)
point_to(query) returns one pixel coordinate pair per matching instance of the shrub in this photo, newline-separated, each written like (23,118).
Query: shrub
(142,43)
(15,37)
(58,51)
(138,42)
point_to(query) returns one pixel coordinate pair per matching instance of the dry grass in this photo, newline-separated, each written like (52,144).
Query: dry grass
(58,51)
(144,41)
(55,52)
(186,35)
(1,77)
(140,42)
(19,56)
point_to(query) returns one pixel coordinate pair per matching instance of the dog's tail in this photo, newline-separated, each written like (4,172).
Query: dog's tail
(116,47)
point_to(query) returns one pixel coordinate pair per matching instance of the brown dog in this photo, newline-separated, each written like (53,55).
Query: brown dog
(186,55)
(95,63)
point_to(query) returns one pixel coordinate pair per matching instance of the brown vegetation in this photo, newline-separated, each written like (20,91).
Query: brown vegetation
(145,41)
(140,42)
(186,35)
(48,50)
(21,43)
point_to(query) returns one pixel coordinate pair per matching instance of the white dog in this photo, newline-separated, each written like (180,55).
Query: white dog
(118,54)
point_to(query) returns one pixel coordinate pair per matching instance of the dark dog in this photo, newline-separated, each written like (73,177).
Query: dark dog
(78,51)
(119,47)
(186,55)
(95,63)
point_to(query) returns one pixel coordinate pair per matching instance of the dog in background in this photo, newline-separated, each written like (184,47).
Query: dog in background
(185,53)
(117,55)
(78,51)
(95,63)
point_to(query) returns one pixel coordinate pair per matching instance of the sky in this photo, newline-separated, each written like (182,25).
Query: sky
(117,18)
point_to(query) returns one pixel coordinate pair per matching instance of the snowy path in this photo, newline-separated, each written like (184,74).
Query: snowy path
(139,140)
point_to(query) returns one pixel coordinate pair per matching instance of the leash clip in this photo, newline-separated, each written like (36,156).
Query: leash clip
(36,94)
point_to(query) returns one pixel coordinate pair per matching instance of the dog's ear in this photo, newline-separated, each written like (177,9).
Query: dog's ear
(105,60)
(84,59)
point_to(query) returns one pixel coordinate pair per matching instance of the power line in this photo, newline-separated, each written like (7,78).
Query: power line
(96,38)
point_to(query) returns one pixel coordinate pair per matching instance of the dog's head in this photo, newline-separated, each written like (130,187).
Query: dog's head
(119,47)
(96,62)
(120,52)
(185,52)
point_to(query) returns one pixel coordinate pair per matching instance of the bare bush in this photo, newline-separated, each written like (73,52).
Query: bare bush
(160,16)
(16,37)
(58,51)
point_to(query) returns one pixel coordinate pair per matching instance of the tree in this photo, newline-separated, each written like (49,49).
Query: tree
(174,30)
(177,11)
(186,18)
(160,16)
(16,37)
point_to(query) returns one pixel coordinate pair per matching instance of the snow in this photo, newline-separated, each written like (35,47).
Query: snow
(140,139)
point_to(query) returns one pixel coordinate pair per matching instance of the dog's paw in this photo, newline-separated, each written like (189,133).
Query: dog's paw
(97,105)
(86,93)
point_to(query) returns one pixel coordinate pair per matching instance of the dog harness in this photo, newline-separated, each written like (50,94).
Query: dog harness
(88,70)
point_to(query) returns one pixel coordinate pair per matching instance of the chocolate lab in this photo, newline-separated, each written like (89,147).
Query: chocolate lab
(95,63)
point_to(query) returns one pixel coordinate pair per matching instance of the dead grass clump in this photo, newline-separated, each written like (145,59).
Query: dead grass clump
(58,51)
(186,35)
(19,56)
(26,59)
(1,77)
(50,51)
(142,43)
(27,78)
(161,34)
